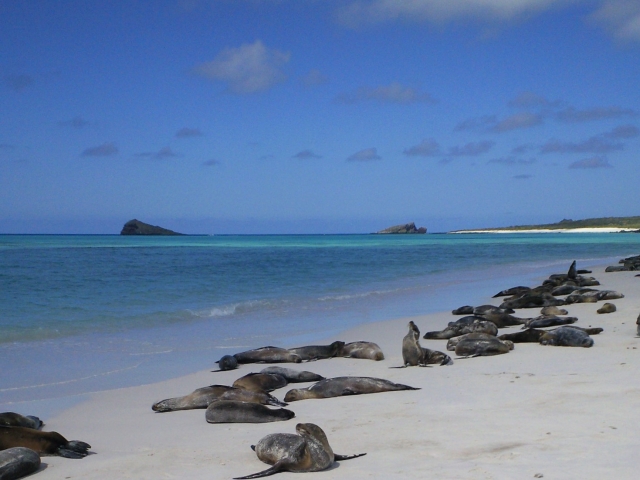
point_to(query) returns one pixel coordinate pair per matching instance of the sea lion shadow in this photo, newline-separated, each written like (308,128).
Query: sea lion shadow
(43,466)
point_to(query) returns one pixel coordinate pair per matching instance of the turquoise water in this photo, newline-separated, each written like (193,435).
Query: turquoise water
(116,311)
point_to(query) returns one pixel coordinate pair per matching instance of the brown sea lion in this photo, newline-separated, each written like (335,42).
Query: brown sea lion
(363,350)
(293,376)
(452,343)
(473,345)
(202,398)
(226,411)
(553,311)
(468,324)
(532,300)
(308,451)
(342,386)
(567,337)
(261,382)
(545,321)
(530,335)
(414,354)
(12,419)
(503,320)
(575,298)
(18,462)
(607,308)
(267,355)
(44,443)
(483,310)
(317,352)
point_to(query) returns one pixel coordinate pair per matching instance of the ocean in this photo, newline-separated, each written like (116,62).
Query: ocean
(85,313)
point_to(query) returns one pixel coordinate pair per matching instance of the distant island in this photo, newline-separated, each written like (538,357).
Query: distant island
(136,227)
(404,228)
(604,224)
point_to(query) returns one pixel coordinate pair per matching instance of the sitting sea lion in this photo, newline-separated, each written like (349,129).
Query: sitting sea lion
(317,352)
(293,376)
(414,354)
(607,308)
(474,345)
(545,321)
(11,419)
(567,337)
(226,411)
(227,362)
(308,451)
(267,355)
(44,443)
(364,350)
(341,386)
(468,324)
(261,382)
(18,462)
(202,398)
(553,311)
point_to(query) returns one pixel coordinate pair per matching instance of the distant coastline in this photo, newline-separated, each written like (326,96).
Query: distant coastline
(589,225)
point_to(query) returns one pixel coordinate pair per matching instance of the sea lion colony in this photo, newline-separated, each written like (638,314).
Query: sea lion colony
(249,400)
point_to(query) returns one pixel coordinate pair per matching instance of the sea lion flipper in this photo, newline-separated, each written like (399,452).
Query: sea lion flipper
(348,391)
(337,457)
(74,449)
(265,473)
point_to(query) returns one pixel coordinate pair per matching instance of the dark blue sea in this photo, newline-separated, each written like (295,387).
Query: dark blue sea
(81,313)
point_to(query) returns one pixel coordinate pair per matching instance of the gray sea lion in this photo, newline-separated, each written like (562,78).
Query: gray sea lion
(199,398)
(12,419)
(308,451)
(317,352)
(532,300)
(261,382)
(468,324)
(227,362)
(564,289)
(588,330)
(44,443)
(502,320)
(18,462)
(607,308)
(474,345)
(342,386)
(512,291)
(452,343)
(413,354)
(489,309)
(267,355)
(638,326)
(293,376)
(572,273)
(573,298)
(545,321)
(242,395)
(553,311)
(567,337)
(466,310)
(226,411)
(530,335)
(363,350)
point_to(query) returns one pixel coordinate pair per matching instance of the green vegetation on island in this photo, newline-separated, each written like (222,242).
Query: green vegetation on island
(566,224)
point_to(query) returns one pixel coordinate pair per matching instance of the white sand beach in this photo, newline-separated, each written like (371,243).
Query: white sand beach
(554,230)
(556,412)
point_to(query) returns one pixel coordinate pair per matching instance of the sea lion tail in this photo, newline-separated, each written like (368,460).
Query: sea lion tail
(265,473)
(253,447)
(337,457)
(74,449)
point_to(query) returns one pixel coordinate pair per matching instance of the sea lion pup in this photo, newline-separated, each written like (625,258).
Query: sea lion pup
(227,362)
(512,291)
(553,311)
(11,419)
(227,411)
(466,310)
(267,355)
(474,345)
(44,443)
(413,354)
(363,350)
(317,352)
(342,386)
(261,382)
(468,324)
(607,308)
(530,335)
(18,462)
(293,376)
(567,337)
(453,342)
(202,398)
(308,451)
(544,321)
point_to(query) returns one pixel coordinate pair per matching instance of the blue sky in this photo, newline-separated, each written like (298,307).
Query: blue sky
(303,116)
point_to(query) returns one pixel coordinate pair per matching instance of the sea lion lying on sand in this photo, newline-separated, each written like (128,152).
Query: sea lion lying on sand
(607,308)
(261,382)
(227,362)
(202,398)
(530,335)
(12,419)
(44,443)
(509,292)
(342,386)
(452,343)
(18,462)
(293,376)
(308,451)
(363,350)
(553,311)
(468,324)
(567,337)
(481,345)
(267,355)
(545,321)
(226,411)
(466,310)
(317,352)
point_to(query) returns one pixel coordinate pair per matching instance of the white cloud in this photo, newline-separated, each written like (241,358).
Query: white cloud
(366,155)
(594,162)
(621,18)
(392,93)
(249,68)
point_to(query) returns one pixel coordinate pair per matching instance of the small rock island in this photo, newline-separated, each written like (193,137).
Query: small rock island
(136,227)
(405,228)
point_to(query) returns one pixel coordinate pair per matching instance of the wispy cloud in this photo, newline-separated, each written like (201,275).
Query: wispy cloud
(306,155)
(573,115)
(211,163)
(162,154)
(523,176)
(250,68)
(104,150)
(427,148)
(18,83)
(314,77)
(366,155)
(623,131)
(532,100)
(187,132)
(596,144)
(75,122)
(483,123)
(471,149)
(392,93)
(517,121)
(593,162)
(512,161)
(621,18)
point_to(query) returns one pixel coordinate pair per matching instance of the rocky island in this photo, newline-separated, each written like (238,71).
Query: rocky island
(136,227)
(404,228)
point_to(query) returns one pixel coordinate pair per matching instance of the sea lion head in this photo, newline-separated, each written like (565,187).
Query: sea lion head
(162,406)
(295,394)
(228,362)
(337,347)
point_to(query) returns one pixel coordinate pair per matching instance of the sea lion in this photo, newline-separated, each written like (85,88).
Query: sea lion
(564,289)
(308,451)
(544,321)
(44,443)
(474,345)
(572,273)
(512,291)
(488,309)
(638,326)
(363,350)
(18,462)
(293,376)
(567,337)
(11,419)
(452,343)
(532,300)
(342,386)
(267,355)
(199,398)
(553,311)
(261,382)
(530,335)
(226,411)
(503,320)
(468,324)
(589,330)
(466,310)
(317,352)
(607,308)
(414,354)
(227,362)
(573,298)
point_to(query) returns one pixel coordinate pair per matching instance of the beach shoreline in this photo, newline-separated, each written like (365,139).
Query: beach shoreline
(560,412)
